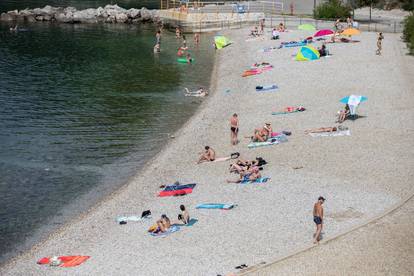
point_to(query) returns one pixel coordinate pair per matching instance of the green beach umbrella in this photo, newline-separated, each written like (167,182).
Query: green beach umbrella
(221,41)
(307,27)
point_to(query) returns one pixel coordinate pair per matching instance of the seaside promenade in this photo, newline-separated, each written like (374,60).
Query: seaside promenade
(361,175)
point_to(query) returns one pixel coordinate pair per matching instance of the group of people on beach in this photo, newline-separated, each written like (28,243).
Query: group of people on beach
(164,223)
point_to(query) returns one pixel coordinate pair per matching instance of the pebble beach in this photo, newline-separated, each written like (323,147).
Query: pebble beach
(360,175)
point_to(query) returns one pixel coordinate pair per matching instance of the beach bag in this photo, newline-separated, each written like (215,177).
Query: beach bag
(235,155)
(260,161)
(146,214)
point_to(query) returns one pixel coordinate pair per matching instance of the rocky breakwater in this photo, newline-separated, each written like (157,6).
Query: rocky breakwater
(108,14)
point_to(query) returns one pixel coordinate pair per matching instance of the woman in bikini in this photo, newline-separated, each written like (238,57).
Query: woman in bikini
(234,129)
(321,129)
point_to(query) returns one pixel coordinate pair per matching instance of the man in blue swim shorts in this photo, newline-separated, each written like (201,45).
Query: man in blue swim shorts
(318,218)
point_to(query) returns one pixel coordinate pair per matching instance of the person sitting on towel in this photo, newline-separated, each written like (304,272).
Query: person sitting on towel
(321,129)
(163,224)
(263,134)
(251,175)
(343,114)
(323,52)
(207,156)
(275,34)
(184,216)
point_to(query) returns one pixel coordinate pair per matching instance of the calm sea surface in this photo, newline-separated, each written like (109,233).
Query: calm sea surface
(82,108)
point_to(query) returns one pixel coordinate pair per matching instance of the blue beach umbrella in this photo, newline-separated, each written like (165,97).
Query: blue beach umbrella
(307,53)
(346,99)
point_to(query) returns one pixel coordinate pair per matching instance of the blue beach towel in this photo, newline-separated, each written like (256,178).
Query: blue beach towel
(215,206)
(175,187)
(190,223)
(172,229)
(259,180)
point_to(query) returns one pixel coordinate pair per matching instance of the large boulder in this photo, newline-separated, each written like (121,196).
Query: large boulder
(146,14)
(133,13)
(85,16)
(30,18)
(121,18)
(110,19)
(7,17)
(64,17)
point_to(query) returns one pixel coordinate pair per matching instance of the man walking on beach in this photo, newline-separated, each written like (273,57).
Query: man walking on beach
(318,218)
(234,128)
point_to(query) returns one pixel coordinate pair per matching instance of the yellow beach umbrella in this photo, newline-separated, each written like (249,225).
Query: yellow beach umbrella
(351,32)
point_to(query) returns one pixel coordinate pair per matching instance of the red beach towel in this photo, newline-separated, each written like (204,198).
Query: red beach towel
(67,261)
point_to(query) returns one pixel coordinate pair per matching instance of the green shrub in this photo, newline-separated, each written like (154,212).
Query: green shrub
(408,32)
(332,9)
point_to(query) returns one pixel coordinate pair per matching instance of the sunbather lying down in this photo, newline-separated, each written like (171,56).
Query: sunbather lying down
(199,93)
(250,175)
(325,129)
(242,166)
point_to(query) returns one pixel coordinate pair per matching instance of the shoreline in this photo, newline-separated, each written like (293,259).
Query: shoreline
(288,187)
(122,186)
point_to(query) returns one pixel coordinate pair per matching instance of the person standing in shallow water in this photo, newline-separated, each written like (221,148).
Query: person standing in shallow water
(234,128)
(318,218)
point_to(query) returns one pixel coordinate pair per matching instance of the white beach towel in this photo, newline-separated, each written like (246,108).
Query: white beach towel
(332,134)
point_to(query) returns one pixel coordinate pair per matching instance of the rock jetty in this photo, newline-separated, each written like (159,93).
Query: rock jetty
(108,14)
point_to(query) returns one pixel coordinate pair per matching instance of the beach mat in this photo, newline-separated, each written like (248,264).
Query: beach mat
(332,134)
(131,218)
(174,187)
(259,180)
(67,261)
(172,229)
(272,87)
(215,206)
(285,112)
(189,224)
(272,142)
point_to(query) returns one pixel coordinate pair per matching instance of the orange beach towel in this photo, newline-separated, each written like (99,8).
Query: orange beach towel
(67,261)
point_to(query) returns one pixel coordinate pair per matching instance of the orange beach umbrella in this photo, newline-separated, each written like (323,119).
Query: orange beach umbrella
(351,32)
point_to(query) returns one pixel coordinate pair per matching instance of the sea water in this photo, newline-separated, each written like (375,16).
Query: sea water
(82,109)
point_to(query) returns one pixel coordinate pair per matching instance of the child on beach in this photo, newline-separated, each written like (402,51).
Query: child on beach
(184,216)
(177,33)
(234,129)
(275,34)
(189,59)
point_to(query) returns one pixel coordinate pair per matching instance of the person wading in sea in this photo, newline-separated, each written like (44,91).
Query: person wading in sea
(318,218)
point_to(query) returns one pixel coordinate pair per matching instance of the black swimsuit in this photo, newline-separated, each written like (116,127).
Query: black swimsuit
(234,129)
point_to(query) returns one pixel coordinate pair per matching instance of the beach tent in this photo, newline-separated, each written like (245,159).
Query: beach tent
(323,33)
(307,27)
(221,41)
(307,53)
(351,32)
(353,101)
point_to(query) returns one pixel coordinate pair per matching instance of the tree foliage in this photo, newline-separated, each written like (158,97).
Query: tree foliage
(332,9)
(408,32)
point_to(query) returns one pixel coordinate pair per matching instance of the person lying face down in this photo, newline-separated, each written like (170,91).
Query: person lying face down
(207,156)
